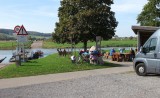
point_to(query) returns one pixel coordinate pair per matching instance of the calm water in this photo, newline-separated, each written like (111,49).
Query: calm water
(8,53)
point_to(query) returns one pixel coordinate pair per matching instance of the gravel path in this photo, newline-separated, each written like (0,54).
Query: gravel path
(124,85)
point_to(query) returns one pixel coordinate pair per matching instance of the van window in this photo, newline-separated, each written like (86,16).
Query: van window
(150,46)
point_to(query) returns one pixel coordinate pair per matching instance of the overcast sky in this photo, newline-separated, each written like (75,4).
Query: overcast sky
(41,15)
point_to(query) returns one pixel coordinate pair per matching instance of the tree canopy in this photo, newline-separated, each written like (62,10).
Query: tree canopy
(83,20)
(150,15)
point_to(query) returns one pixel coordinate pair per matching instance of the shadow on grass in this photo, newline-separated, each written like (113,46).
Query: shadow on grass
(31,63)
(106,64)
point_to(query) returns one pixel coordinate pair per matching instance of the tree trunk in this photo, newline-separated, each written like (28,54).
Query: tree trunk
(85,45)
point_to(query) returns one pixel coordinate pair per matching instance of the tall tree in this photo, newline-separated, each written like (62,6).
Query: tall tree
(150,15)
(83,20)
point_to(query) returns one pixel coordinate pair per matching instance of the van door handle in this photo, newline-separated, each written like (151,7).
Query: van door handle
(155,55)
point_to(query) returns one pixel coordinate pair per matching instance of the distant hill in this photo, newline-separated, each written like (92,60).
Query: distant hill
(9,32)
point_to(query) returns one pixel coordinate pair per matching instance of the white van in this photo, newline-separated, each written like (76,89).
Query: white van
(147,60)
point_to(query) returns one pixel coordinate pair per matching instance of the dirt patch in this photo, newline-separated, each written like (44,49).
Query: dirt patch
(3,65)
(36,44)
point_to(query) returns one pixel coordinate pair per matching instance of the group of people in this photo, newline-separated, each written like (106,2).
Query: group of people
(92,57)
(62,52)
(121,51)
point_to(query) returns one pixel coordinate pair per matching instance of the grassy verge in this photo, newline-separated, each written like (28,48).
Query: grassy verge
(109,43)
(5,45)
(48,65)
(8,45)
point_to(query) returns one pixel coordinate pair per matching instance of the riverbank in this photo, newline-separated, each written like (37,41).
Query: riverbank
(2,65)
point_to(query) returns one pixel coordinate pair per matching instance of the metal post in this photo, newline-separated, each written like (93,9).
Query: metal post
(23,53)
(18,60)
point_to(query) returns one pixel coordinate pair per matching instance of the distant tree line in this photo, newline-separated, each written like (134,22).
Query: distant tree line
(6,37)
(124,38)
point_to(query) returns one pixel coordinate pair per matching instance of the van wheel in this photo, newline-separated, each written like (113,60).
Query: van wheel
(141,69)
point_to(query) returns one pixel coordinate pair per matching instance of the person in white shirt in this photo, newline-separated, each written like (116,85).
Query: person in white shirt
(73,59)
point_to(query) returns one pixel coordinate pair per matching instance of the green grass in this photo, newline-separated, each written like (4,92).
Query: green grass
(7,45)
(119,43)
(109,43)
(48,65)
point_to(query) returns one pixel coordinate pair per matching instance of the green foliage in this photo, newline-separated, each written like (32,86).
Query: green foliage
(150,16)
(83,20)
(48,65)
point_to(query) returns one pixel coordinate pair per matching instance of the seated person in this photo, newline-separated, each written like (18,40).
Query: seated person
(73,59)
(121,50)
(93,59)
(111,52)
(81,52)
(106,55)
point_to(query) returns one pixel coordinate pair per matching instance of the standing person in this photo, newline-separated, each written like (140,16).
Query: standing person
(64,52)
(132,54)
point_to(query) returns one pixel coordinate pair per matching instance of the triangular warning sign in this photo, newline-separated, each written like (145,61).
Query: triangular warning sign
(22,31)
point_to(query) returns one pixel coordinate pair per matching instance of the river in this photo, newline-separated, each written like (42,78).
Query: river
(8,53)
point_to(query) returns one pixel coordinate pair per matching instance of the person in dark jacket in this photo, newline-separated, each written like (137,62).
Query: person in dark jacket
(132,54)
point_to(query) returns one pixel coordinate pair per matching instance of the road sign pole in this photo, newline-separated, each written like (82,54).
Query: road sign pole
(21,39)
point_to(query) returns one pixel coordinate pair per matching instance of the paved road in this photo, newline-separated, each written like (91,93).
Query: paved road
(118,82)
(120,85)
